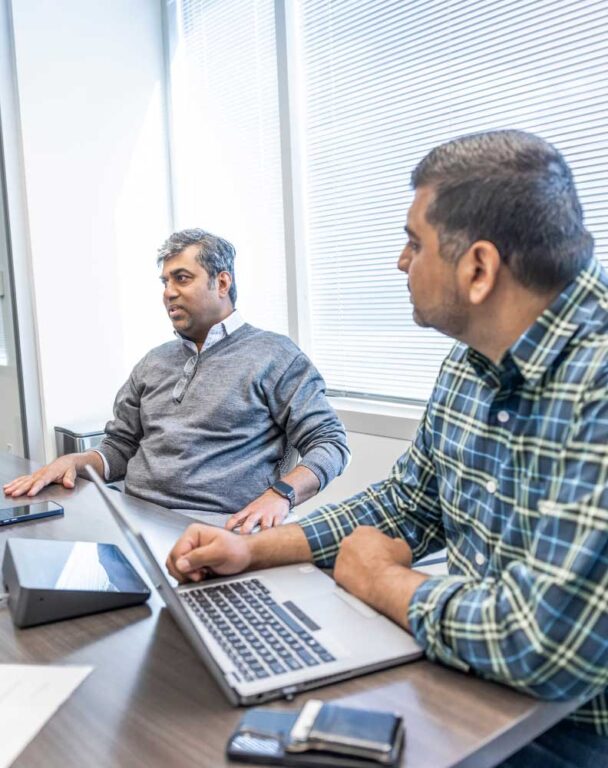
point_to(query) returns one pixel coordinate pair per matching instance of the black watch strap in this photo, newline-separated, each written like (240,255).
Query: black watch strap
(286,491)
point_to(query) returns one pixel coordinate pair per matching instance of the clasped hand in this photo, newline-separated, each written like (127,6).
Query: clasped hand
(368,564)
(267,511)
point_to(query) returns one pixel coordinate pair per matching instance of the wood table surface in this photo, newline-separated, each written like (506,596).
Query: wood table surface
(150,702)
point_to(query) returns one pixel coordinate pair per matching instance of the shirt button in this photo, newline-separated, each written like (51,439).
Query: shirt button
(491,486)
(502,416)
(479,558)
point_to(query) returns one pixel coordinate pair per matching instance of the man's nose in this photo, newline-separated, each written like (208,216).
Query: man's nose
(403,262)
(170,291)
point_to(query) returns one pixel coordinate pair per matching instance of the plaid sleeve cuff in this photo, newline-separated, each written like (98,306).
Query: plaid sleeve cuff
(425,615)
(324,535)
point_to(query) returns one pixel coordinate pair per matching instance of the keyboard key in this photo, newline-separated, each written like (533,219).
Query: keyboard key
(259,635)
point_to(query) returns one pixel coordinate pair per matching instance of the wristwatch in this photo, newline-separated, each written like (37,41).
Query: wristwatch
(286,491)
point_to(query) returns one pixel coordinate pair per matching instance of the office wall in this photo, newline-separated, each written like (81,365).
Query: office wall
(96,181)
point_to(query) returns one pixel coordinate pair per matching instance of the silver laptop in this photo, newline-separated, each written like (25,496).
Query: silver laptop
(272,633)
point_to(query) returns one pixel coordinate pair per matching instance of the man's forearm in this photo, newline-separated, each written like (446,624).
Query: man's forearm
(376,568)
(88,457)
(304,482)
(279,546)
(392,593)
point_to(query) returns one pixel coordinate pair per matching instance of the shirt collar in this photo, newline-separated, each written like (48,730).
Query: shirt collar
(216,333)
(538,348)
(233,322)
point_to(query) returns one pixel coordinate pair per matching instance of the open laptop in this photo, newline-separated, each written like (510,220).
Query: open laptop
(272,633)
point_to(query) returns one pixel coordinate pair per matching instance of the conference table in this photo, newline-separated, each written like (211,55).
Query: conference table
(150,702)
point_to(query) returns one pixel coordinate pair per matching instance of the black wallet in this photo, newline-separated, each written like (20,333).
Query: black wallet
(318,735)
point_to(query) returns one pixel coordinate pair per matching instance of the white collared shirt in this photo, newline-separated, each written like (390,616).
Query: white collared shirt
(216,333)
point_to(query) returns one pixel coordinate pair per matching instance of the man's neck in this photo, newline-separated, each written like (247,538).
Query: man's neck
(202,336)
(505,319)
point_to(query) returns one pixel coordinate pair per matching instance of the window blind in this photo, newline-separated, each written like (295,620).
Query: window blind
(226,142)
(381,83)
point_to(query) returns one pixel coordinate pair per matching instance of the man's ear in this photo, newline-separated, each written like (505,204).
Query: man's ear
(224,283)
(478,271)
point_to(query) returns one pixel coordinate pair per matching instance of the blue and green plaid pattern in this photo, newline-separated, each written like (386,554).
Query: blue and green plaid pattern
(509,470)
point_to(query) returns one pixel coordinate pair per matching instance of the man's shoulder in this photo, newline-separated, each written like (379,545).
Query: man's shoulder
(164,353)
(584,360)
(168,349)
(272,343)
(454,362)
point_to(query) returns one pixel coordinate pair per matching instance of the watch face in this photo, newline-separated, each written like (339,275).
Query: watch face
(285,490)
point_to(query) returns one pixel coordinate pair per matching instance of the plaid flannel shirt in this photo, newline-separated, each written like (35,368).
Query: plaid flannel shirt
(509,470)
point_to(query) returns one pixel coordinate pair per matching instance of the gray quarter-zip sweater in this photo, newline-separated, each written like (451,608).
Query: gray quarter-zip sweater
(251,395)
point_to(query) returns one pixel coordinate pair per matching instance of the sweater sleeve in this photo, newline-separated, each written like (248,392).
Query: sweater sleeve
(300,407)
(124,431)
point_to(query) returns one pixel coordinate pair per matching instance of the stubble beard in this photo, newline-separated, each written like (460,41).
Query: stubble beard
(450,318)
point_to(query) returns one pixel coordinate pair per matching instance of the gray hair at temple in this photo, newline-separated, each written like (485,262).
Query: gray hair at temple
(215,254)
(515,190)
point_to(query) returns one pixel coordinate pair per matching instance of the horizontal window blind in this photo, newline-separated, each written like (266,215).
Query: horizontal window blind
(381,83)
(226,142)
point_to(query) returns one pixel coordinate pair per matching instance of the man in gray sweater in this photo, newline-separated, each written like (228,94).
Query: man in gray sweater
(206,423)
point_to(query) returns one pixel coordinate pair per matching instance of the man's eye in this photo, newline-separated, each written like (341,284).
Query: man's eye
(412,246)
(181,279)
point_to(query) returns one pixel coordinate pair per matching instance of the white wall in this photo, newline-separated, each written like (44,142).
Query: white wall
(96,181)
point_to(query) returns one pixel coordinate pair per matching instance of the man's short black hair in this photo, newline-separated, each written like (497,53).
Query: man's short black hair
(515,190)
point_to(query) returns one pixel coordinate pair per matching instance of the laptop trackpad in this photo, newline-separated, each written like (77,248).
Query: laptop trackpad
(355,603)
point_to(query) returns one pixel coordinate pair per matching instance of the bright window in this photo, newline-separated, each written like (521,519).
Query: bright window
(226,142)
(378,84)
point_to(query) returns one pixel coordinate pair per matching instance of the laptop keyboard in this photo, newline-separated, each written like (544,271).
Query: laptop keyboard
(260,636)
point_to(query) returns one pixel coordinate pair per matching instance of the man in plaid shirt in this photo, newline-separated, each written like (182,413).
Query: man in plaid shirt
(509,468)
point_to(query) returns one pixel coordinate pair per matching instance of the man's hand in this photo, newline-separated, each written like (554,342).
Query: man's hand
(376,569)
(267,510)
(203,550)
(63,470)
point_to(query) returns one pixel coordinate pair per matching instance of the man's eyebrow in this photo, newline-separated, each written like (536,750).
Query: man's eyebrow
(410,232)
(178,271)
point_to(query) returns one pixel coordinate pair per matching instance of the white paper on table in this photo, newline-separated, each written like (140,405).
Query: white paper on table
(29,696)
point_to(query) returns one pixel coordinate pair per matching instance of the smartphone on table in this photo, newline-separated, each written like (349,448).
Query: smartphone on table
(25,512)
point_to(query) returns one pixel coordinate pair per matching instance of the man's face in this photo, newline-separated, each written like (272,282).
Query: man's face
(192,305)
(432,280)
